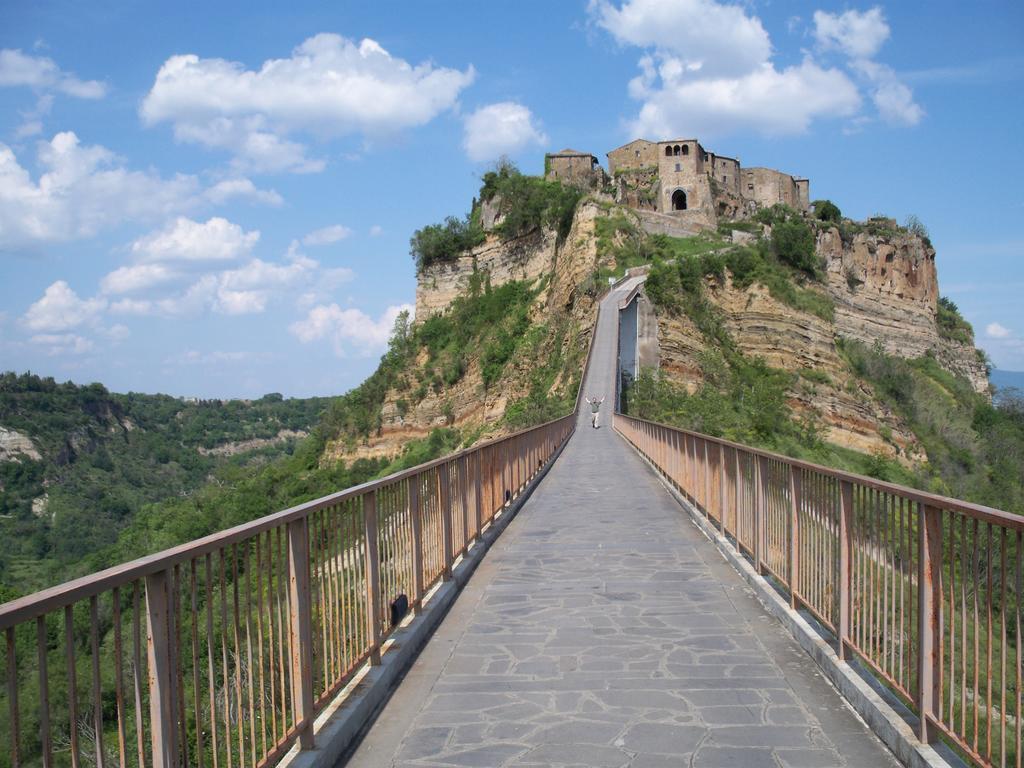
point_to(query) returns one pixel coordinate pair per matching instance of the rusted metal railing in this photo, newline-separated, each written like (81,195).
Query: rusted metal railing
(221,652)
(925,590)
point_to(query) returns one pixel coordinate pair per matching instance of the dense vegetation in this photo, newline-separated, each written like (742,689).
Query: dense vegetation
(103,456)
(952,324)
(975,448)
(525,204)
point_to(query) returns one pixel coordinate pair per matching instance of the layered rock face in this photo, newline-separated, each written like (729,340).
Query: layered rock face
(884,287)
(467,404)
(846,410)
(886,291)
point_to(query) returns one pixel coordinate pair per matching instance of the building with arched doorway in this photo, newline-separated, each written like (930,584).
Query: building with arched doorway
(681,178)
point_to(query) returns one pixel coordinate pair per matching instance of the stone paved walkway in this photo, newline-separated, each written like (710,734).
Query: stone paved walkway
(602,629)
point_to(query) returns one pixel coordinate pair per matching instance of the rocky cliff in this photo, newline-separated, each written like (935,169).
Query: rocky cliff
(561,318)
(886,291)
(880,282)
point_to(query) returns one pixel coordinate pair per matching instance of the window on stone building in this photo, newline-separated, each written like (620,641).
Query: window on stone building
(724,179)
(686,149)
(678,167)
(668,151)
(679,200)
(675,150)
(750,187)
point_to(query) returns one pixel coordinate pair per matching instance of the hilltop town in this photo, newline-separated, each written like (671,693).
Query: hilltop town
(679,177)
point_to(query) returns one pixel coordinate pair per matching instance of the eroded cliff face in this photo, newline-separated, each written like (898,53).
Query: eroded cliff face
(846,410)
(562,268)
(886,291)
(884,288)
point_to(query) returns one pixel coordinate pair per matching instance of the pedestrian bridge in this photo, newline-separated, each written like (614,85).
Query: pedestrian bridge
(655,598)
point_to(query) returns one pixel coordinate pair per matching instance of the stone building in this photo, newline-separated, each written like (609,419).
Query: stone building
(682,178)
(578,168)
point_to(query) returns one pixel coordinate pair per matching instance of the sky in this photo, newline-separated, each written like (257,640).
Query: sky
(216,199)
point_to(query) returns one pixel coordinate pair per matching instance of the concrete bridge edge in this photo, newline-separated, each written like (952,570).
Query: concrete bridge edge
(339,728)
(883,713)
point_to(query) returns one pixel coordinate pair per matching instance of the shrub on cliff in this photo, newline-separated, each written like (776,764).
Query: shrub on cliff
(826,210)
(444,242)
(793,244)
(529,203)
(952,324)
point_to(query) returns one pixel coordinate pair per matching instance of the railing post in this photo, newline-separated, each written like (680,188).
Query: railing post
(478,500)
(721,488)
(760,512)
(301,628)
(706,461)
(446,519)
(373,601)
(796,489)
(417,540)
(929,531)
(162,702)
(845,563)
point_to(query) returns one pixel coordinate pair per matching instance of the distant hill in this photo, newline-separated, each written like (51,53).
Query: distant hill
(78,463)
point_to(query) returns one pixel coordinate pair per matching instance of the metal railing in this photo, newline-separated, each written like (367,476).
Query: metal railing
(221,652)
(924,589)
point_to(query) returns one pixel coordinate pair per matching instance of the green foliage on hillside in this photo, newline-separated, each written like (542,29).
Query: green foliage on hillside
(529,203)
(975,449)
(792,238)
(436,243)
(827,211)
(952,324)
(104,456)
(526,203)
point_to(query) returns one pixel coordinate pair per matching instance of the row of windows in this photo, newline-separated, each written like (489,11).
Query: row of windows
(677,150)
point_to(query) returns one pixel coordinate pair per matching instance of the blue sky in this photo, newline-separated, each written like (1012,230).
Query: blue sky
(216,199)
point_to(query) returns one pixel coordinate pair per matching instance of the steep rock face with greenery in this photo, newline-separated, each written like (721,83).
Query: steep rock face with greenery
(841,354)
(504,316)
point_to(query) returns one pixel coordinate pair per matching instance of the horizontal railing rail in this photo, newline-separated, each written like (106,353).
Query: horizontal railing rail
(221,652)
(925,590)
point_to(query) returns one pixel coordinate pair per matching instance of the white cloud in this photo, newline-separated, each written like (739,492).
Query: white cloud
(714,38)
(376,230)
(859,35)
(137,277)
(82,190)
(131,307)
(894,100)
(766,100)
(63,343)
(499,129)
(329,86)
(895,103)
(327,235)
(186,240)
(708,70)
(60,309)
(243,188)
(42,73)
(997,331)
(343,327)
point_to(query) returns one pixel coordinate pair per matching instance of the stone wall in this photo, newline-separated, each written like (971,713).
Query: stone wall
(768,187)
(639,153)
(726,172)
(576,168)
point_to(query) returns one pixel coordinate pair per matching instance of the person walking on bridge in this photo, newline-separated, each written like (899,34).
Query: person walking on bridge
(595,407)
